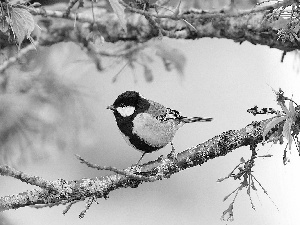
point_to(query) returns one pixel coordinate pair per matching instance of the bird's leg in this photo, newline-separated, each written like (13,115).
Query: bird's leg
(172,154)
(141,158)
(173,149)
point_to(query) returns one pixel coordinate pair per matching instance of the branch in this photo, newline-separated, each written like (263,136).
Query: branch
(33,180)
(208,15)
(62,191)
(249,25)
(254,26)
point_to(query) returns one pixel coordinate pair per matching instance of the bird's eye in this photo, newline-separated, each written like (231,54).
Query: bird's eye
(126,110)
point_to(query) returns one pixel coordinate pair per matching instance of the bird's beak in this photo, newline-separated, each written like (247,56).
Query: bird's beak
(111,107)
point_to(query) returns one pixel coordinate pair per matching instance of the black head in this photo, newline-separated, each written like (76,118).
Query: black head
(128,104)
(128,98)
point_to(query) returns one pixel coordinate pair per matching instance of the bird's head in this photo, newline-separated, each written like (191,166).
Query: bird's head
(128,103)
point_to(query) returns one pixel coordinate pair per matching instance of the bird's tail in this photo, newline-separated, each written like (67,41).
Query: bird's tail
(195,119)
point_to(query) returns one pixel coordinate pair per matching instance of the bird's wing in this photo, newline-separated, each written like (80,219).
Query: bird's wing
(164,114)
(157,110)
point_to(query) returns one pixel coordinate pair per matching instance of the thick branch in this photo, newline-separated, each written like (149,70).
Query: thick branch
(62,191)
(244,26)
(254,28)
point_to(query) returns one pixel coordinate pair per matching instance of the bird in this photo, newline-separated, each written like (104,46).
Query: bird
(146,125)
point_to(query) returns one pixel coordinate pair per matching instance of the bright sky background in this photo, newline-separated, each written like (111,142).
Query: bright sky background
(222,80)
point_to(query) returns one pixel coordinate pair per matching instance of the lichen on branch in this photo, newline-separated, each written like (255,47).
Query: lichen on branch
(62,191)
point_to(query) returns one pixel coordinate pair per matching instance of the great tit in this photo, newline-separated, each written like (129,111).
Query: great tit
(146,125)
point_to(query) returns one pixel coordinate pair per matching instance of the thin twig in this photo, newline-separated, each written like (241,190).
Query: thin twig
(265,191)
(20,54)
(69,206)
(115,170)
(70,6)
(231,173)
(50,205)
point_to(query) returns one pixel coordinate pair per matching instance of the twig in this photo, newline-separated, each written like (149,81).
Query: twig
(33,180)
(69,206)
(87,207)
(50,205)
(125,51)
(265,191)
(70,6)
(154,24)
(20,54)
(231,173)
(114,79)
(115,170)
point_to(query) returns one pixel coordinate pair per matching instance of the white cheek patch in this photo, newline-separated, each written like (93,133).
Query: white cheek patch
(126,111)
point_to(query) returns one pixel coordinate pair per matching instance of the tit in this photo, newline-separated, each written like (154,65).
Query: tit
(146,125)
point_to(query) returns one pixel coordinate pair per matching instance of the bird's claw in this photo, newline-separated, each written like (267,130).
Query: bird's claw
(172,155)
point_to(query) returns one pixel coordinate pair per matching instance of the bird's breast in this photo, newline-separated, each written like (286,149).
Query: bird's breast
(154,132)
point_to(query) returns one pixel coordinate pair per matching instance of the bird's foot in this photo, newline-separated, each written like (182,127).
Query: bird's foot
(172,155)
